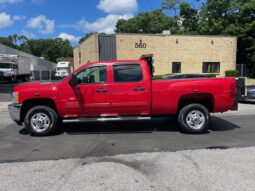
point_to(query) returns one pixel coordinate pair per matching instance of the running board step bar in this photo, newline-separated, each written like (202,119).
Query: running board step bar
(79,120)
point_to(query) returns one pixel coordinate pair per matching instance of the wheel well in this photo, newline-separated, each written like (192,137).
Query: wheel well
(35,102)
(206,100)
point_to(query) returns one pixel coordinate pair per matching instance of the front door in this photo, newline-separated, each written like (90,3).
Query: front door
(93,91)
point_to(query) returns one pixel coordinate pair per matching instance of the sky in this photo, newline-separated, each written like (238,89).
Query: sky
(68,19)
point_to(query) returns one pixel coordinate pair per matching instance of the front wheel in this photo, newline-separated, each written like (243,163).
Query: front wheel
(194,119)
(41,121)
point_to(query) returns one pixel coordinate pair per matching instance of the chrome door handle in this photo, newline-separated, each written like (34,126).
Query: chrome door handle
(101,90)
(139,89)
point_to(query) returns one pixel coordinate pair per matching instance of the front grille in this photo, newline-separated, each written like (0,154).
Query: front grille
(1,74)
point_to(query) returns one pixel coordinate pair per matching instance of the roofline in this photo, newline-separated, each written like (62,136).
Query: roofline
(26,53)
(175,35)
(158,35)
(92,35)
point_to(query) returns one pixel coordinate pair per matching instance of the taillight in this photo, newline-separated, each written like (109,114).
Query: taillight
(233,90)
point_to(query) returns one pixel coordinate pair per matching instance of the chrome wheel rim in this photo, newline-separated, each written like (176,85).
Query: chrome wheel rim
(40,122)
(195,119)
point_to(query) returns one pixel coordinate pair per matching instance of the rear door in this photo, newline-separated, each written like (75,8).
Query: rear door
(130,89)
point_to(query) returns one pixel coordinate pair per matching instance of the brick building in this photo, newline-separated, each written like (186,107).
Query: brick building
(172,53)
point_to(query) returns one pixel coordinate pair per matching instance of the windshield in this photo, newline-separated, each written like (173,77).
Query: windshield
(5,65)
(62,68)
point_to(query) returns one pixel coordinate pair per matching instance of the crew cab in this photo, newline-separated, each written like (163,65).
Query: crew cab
(121,90)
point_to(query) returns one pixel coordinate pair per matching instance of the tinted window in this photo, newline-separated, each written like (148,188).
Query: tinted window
(127,72)
(92,75)
(211,67)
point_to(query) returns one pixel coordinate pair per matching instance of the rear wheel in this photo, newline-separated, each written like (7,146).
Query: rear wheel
(41,121)
(194,119)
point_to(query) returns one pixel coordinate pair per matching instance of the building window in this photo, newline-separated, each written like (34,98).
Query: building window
(127,72)
(176,67)
(211,67)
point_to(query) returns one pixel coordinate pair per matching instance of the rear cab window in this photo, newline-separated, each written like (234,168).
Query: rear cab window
(127,72)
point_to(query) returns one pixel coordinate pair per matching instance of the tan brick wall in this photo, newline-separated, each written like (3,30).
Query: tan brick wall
(89,51)
(191,51)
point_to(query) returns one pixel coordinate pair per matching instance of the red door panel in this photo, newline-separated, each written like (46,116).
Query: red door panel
(94,98)
(130,95)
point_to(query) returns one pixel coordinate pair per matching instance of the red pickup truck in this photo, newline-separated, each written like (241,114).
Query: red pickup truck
(121,90)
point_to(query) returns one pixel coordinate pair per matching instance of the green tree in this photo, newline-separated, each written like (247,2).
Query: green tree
(216,16)
(149,22)
(173,5)
(188,19)
(235,18)
(13,40)
(50,49)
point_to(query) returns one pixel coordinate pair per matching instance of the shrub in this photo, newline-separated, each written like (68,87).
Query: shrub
(231,73)
(212,75)
(159,77)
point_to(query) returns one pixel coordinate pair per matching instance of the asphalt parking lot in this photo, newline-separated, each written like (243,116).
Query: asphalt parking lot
(107,139)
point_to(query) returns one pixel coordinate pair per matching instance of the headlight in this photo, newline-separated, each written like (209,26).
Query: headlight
(15,97)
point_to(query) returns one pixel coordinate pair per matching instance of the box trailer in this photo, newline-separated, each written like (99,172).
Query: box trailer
(15,67)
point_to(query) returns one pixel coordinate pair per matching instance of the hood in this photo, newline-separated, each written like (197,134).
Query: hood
(37,90)
(34,86)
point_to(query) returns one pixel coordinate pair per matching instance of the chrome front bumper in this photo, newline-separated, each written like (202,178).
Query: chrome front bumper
(14,111)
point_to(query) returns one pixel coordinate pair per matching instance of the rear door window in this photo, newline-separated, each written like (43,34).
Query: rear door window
(128,72)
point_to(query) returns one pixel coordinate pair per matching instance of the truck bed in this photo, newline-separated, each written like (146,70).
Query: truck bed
(166,94)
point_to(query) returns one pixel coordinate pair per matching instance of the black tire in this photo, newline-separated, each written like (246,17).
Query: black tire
(51,123)
(186,122)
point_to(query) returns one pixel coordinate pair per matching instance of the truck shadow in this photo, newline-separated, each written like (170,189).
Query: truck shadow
(134,127)
(127,127)
(219,124)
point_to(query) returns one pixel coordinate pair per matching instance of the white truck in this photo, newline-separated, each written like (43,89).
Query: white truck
(14,67)
(63,69)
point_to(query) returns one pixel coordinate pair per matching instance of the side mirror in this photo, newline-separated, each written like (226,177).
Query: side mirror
(73,81)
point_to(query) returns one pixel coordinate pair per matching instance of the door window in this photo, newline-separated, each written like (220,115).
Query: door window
(127,72)
(92,75)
